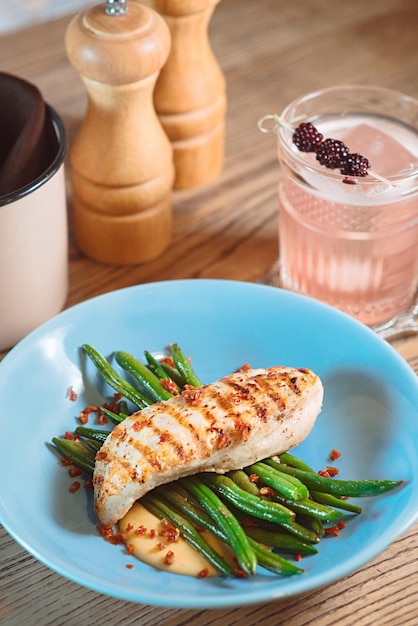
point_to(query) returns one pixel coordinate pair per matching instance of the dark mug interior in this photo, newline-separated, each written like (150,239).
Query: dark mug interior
(47,158)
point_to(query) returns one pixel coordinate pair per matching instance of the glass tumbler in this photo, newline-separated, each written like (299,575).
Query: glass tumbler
(351,241)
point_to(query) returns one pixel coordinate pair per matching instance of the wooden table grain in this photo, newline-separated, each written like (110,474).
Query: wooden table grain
(271,51)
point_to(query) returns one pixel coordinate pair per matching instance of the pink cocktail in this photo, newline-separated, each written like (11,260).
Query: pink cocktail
(352,241)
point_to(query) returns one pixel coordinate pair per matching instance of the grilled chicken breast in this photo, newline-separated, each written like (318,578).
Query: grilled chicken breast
(229,424)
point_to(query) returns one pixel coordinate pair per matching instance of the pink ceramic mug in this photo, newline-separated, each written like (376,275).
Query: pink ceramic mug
(34,246)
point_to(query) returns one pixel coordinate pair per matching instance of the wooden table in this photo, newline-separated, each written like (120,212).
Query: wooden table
(271,51)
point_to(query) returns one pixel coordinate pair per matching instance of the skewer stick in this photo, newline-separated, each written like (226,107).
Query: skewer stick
(275,122)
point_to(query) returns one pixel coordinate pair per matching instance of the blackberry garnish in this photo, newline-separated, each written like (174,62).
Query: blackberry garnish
(332,153)
(306,137)
(354,165)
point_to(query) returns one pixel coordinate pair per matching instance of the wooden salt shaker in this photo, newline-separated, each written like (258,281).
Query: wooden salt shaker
(190,95)
(121,161)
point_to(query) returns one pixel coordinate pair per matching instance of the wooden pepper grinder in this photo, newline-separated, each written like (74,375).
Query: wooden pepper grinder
(121,161)
(190,96)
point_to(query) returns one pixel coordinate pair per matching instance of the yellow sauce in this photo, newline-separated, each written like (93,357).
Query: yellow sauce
(146,536)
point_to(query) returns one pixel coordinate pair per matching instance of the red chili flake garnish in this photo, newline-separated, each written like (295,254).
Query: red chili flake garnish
(332,530)
(129,566)
(84,415)
(170,385)
(168,360)
(130,548)
(109,535)
(100,455)
(71,394)
(111,406)
(88,484)
(334,454)
(102,419)
(192,394)
(65,461)
(244,430)
(324,473)
(169,532)
(223,440)
(169,558)
(152,533)
(141,530)
(204,573)
(341,524)
(129,527)
(298,556)
(69,436)
(74,471)
(161,545)
(253,478)
(332,471)
(75,486)
(266,491)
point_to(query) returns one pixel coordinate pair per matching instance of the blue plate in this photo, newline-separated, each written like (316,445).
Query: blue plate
(370,414)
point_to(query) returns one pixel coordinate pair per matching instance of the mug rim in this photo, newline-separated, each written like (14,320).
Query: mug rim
(53,167)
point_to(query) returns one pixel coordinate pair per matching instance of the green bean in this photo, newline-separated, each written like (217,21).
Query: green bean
(173,374)
(92,433)
(313,524)
(292,527)
(283,541)
(272,561)
(252,505)
(158,370)
(288,486)
(78,454)
(337,487)
(160,509)
(123,407)
(241,479)
(335,501)
(321,497)
(115,418)
(155,366)
(235,536)
(93,444)
(310,508)
(114,380)
(190,507)
(294,461)
(143,376)
(184,366)
(310,535)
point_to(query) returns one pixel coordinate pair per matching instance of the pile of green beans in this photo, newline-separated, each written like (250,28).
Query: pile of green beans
(261,526)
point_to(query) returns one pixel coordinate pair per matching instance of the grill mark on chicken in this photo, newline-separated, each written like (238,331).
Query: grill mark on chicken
(233,422)
(230,402)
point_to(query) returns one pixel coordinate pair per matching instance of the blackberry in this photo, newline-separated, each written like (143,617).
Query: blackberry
(354,165)
(332,153)
(306,137)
